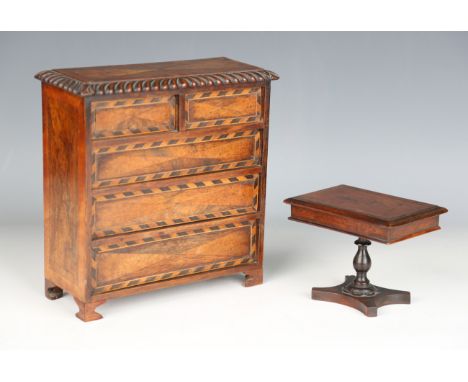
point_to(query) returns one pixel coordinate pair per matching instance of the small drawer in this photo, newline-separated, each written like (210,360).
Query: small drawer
(148,159)
(158,255)
(222,108)
(133,116)
(174,201)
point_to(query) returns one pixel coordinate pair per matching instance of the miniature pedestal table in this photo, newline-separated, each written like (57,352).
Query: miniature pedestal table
(369,216)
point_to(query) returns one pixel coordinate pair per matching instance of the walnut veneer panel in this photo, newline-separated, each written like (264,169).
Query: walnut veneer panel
(160,76)
(171,253)
(154,176)
(133,116)
(224,107)
(144,206)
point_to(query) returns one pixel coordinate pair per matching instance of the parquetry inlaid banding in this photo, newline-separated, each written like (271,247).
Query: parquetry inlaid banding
(171,275)
(172,142)
(177,187)
(179,220)
(134,125)
(100,152)
(82,88)
(237,115)
(158,235)
(161,236)
(221,93)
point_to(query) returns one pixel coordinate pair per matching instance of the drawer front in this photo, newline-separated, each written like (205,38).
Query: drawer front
(222,108)
(165,254)
(153,159)
(133,116)
(175,201)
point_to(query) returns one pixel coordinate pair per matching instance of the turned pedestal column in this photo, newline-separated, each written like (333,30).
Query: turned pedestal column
(357,291)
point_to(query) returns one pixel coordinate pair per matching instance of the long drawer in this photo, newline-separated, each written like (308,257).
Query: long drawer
(174,201)
(142,159)
(156,255)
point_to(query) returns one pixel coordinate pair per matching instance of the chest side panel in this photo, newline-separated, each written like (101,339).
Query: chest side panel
(65,188)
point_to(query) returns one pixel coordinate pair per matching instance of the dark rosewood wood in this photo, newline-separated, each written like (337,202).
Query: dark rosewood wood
(370,215)
(87,310)
(357,292)
(154,176)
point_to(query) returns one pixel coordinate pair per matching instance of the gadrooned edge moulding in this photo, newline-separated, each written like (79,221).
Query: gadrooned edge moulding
(72,85)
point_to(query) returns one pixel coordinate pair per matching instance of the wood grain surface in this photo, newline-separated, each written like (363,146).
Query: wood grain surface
(154,176)
(150,159)
(133,116)
(168,256)
(65,190)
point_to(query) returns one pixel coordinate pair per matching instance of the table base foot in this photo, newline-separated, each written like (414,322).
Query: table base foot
(366,305)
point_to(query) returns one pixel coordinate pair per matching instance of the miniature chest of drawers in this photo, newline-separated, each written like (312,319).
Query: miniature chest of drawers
(154,176)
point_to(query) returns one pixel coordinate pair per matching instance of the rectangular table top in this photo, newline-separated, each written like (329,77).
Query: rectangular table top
(370,214)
